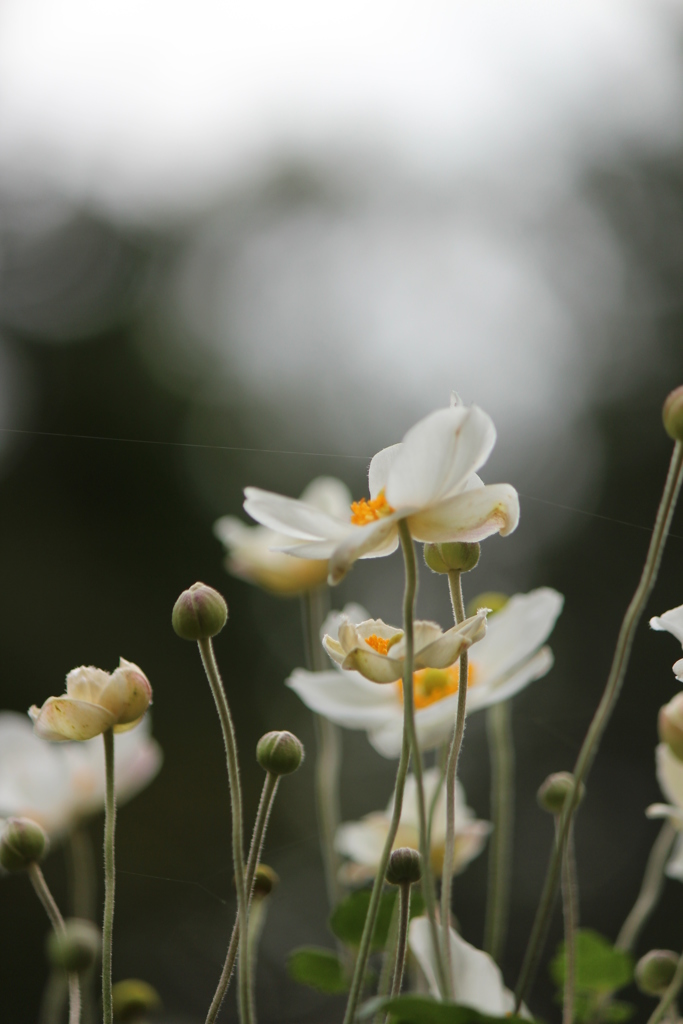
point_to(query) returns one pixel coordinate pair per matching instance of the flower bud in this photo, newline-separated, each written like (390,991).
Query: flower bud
(456,556)
(23,843)
(555,790)
(655,971)
(199,613)
(77,948)
(133,999)
(265,880)
(279,753)
(672,414)
(494,600)
(670,725)
(404,867)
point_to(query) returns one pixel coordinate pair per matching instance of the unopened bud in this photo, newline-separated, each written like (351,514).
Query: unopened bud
(670,725)
(133,999)
(655,971)
(23,843)
(404,867)
(76,948)
(265,880)
(494,600)
(199,613)
(457,556)
(279,753)
(672,414)
(555,790)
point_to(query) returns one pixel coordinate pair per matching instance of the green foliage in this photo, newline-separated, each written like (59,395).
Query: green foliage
(348,917)
(411,1009)
(600,971)
(318,968)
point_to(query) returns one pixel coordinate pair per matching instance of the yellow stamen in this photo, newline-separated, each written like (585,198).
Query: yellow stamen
(367,511)
(433,684)
(379,644)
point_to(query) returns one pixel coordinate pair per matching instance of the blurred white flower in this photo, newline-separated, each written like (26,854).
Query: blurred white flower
(429,479)
(253,553)
(508,658)
(363,841)
(365,646)
(672,622)
(670,778)
(59,785)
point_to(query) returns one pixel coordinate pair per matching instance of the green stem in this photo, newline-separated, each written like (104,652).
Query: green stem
(109,875)
(502,753)
(404,919)
(262,815)
(213,675)
(43,893)
(650,890)
(602,715)
(570,909)
(669,997)
(54,998)
(389,961)
(441,765)
(409,598)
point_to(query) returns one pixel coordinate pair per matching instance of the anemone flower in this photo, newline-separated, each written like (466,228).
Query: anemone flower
(672,622)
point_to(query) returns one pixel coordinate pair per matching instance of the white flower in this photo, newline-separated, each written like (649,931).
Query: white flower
(477,980)
(508,658)
(670,778)
(252,550)
(365,646)
(363,841)
(58,785)
(672,622)
(429,480)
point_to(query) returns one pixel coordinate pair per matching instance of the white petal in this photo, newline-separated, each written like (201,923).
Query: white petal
(665,811)
(380,466)
(312,550)
(86,683)
(515,632)
(674,867)
(433,724)
(671,621)
(334,649)
(363,841)
(346,698)
(361,541)
(678,669)
(353,612)
(377,627)
(437,456)
(329,495)
(380,668)
(65,718)
(503,687)
(470,516)
(293,518)
(669,774)
(443,651)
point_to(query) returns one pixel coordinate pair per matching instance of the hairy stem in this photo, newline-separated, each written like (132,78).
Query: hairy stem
(43,893)
(401,948)
(502,753)
(570,910)
(650,890)
(109,875)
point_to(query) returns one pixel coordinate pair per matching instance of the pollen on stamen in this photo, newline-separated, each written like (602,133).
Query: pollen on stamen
(368,510)
(377,643)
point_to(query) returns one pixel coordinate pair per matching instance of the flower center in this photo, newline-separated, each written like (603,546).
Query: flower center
(433,684)
(379,644)
(367,511)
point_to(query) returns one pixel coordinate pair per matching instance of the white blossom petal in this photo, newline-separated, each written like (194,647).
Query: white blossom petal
(503,687)
(671,621)
(362,540)
(64,718)
(669,774)
(330,495)
(355,613)
(443,651)
(380,668)
(293,517)
(515,632)
(470,516)
(346,698)
(674,867)
(380,467)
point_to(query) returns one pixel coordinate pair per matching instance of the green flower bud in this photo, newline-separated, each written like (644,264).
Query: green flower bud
(404,867)
(672,414)
(457,556)
(655,971)
(265,880)
(23,843)
(555,790)
(77,948)
(279,753)
(494,600)
(670,725)
(199,613)
(134,998)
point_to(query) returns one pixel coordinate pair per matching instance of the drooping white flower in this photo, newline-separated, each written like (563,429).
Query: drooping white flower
(477,979)
(362,841)
(58,785)
(252,551)
(429,479)
(378,651)
(672,622)
(508,658)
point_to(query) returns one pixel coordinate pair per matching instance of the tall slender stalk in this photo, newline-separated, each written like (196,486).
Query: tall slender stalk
(650,890)
(404,891)
(601,717)
(109,875)
(409,716)
(570,910)
(502,754)
(43,893)
(216,684)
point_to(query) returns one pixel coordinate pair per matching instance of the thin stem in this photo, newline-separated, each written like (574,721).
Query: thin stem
(109,875)
(409,598)
(262,815)
(570,910)
(54,998)
(650,890)
(455,588)
(441,765)
(43,893)
(502,753)
(404,918)
(216,684)
(601,717)
(669,997)
(389,961)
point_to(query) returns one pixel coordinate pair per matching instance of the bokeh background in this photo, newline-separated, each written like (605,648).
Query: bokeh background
(253,243)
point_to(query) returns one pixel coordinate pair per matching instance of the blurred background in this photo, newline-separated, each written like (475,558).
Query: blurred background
(253,243)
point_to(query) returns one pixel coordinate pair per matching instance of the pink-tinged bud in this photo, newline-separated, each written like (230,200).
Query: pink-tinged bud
(279,753)
(670,725)
(672,414)
(199,613)
(23,843)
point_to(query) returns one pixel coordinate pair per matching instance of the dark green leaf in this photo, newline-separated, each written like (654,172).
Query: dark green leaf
(425,1010)
(348,917)
(618,1011)
(318,968)
(600,968)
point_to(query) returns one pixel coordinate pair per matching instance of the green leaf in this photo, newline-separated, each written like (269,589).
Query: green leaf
(600,968)
(348,917)
(425,1010)
(618,1011)
(318,968)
